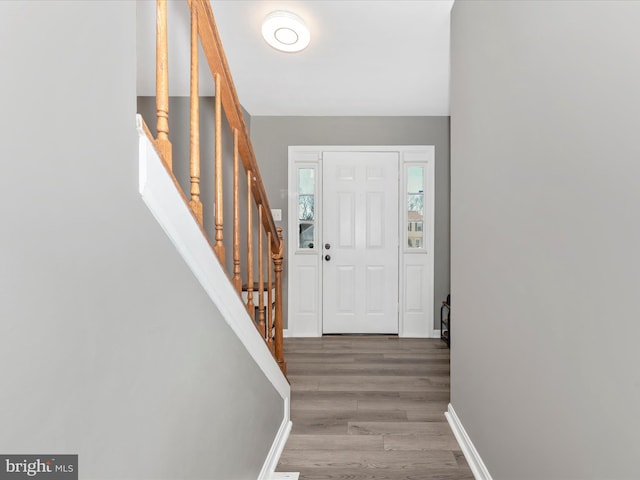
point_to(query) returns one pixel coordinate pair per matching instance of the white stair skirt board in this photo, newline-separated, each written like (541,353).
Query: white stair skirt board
(166,204)
(273,457)
(285,476)
(472,456)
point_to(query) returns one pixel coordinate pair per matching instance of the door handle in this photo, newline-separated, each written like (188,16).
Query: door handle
(327,257)
(327,246)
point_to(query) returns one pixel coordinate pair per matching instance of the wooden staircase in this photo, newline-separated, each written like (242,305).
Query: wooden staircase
(263,276)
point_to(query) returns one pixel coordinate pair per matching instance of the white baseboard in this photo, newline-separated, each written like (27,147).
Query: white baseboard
(472,456)
(273,457)
(297,334)
(285,476)
(286,334)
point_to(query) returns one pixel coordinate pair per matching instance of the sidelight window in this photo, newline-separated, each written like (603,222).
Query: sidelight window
(306,207)
(415,207)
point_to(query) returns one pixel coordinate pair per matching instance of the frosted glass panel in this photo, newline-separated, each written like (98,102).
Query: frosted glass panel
(306,207)
(306,183)
(415,179)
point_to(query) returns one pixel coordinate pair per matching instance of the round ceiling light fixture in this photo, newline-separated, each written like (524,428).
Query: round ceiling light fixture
(285,31)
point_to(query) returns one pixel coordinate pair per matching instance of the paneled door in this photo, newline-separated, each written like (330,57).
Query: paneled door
(360,242)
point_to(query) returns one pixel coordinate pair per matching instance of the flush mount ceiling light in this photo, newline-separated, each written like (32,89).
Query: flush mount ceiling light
(285,31)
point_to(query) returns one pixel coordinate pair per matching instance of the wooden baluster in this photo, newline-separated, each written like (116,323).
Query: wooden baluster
(278,258)
(162,83)
(269,298)
(250,304)
(237,280)
(194,163)
(261,324)
(219,246)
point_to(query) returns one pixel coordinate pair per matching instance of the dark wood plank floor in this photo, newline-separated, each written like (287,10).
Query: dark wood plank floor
(370,408)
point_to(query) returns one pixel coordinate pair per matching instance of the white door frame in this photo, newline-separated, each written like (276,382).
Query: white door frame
(415,265)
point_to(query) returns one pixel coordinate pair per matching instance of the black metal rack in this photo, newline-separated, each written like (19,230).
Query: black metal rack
(445,321)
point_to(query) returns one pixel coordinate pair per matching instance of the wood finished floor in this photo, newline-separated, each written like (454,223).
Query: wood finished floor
(370,408)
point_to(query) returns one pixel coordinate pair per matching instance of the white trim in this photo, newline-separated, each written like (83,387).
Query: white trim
(291,334)
(435,333)
(411,323)
(285,333)
(311,157)
(478,468)
(299,326)
(285,476)
(166,204)
(273,457)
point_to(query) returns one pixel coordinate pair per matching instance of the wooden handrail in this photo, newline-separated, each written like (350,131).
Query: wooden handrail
(268,320)
(213,51)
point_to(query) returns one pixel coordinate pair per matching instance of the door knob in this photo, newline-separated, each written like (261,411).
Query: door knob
(327,257)
(327,246)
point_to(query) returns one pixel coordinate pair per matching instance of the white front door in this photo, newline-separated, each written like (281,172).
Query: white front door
(360,242)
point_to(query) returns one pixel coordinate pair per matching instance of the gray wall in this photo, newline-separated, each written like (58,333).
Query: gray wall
(109,347)
(545,269)
(271,137)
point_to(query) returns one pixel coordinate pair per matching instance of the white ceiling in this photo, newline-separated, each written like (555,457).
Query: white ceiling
(378,57)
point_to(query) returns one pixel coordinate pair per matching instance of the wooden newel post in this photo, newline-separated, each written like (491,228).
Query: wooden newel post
(162,83)
(278,259)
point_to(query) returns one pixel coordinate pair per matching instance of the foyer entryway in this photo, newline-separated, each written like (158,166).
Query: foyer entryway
(370,408)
